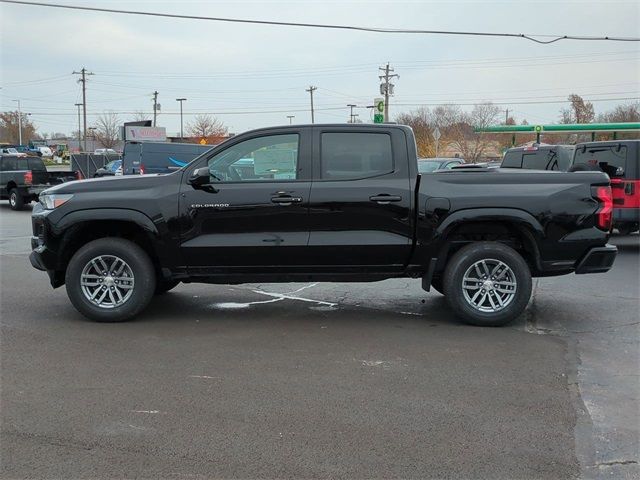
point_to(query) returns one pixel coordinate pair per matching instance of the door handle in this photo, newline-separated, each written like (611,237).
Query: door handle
(286,200)
(385,199)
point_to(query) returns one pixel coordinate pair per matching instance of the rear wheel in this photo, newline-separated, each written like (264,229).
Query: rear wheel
(487,284)
(16,202)
(110,280)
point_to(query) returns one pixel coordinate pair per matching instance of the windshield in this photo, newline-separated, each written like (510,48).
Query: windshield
(427,166)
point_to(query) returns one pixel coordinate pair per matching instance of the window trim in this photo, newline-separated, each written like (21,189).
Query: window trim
(393,158)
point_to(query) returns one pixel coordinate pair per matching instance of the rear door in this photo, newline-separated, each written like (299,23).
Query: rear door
(360,205)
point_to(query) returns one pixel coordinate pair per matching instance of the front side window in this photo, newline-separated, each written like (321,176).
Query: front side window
(350,156)
(270,158)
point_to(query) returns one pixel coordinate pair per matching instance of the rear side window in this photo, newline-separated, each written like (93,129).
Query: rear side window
(37,165)
(8,164)
(350,156)
(512,159)
(23,164)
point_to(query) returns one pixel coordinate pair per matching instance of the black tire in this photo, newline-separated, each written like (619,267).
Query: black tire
(463,260)
(138,262)
(163,286)
(16,201)
(436,284)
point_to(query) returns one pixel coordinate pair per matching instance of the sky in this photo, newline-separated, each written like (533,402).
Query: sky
(250,76)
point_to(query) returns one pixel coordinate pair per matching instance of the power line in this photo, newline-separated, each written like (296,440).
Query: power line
(532,37)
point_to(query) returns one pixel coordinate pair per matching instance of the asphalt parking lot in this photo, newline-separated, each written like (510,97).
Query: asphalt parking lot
(319,381)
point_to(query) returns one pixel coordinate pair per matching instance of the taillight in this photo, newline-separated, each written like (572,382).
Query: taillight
(604,214)
(28,177)
(142,169)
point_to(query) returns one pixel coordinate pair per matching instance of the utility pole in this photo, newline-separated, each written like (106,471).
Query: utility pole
(291,117)
(386,88)
(155,106)
(311,89)
(506,116)
(83,79)
(19,122)
(351,116)
(79,134)
(179,100)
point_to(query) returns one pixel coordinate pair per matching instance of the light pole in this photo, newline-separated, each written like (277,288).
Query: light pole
(19,122)
(79,132)
(291,117)
(181,100)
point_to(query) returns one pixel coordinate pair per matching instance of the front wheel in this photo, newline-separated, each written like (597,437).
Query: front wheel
(487,284)
(110,280)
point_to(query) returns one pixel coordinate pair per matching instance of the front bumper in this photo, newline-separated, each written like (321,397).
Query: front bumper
(597,260)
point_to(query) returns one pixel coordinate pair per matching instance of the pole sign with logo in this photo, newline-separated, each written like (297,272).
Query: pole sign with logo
(378,110)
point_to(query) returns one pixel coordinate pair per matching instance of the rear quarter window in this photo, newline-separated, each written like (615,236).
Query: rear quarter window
(37,165)
(605,156)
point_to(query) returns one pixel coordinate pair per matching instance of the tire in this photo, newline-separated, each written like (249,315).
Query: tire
(163,286)
(436,284)
(16,201)
(122,303)
(487,311)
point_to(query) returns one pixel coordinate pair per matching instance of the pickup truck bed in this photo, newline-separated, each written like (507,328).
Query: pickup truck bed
(322,202)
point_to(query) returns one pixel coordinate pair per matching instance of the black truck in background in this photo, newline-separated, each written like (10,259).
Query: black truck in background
(322,203)
(23,178)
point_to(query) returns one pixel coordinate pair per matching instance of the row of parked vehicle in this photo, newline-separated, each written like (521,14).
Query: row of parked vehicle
(618,159)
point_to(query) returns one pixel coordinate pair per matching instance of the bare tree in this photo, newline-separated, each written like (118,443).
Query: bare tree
(627,112)
(140,116)
(206,126)
(579,111)
(107,129)
(9,127)
(421,121)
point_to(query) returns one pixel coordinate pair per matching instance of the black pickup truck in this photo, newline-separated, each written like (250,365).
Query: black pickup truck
(22,178)
(322,202)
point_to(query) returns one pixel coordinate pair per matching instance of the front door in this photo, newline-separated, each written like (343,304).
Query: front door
(253,215)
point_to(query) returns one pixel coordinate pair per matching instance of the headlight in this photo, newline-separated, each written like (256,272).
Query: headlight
(53,200)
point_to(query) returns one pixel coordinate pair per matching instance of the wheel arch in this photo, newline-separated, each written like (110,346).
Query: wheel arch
(514,227)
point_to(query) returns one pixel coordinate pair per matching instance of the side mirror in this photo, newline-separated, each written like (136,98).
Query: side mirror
(199,177)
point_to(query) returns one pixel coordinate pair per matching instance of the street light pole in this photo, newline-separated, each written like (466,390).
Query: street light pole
(181,100)
(19,122)
(291,117)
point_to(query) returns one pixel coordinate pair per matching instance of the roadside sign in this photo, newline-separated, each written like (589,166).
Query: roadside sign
(538,128)
(203,141)
(378,118)
(379,105)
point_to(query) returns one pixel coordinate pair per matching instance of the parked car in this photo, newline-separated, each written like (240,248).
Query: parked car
(484,165)
(109,169)
(322,202)
(620,159)
(105,151)
(159,157)
(429,165)
(22,179)
(12,151)
(539,157)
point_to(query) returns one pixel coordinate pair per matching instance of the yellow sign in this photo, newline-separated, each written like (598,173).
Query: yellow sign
(203,141)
